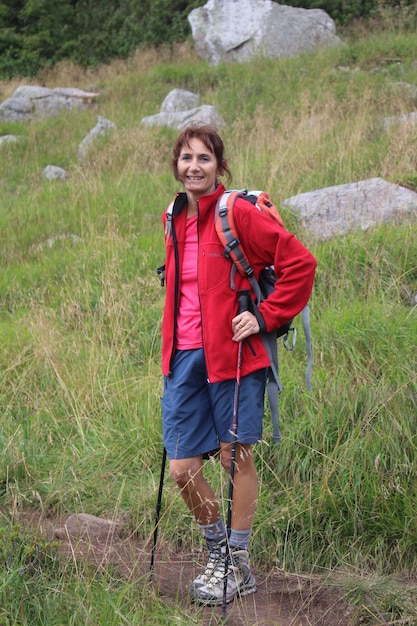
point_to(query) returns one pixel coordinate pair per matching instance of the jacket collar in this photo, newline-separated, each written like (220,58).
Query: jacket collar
(205,203)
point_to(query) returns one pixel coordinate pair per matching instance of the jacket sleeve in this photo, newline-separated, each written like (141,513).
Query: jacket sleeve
(267,243)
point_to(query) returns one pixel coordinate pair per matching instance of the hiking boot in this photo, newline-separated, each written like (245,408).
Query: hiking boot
(240,581)
(217,555)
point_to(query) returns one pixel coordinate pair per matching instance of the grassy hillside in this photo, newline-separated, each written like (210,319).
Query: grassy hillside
(80,311)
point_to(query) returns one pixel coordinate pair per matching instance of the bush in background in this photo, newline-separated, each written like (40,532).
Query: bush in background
(35,34)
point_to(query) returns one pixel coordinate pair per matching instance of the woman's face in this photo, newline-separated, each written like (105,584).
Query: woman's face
(197,168)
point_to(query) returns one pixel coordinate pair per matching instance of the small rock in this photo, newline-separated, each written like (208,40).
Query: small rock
(404,118)
(8,139)
(83,525)
(102,127)
(53,172)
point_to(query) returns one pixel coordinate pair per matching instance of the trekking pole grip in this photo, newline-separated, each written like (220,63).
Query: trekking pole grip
(243,300)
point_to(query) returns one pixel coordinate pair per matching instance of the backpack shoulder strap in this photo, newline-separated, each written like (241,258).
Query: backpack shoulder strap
(227,233)
(226,230)
(168,225)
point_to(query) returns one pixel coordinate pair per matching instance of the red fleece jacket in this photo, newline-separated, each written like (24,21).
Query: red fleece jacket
(265,243)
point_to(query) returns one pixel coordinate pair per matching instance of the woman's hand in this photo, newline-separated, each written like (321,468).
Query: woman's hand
(244,325)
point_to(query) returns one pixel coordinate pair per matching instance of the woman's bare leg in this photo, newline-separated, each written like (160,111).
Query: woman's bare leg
(245,484)
(195,490)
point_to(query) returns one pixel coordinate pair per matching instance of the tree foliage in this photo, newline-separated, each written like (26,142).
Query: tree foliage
(339,10)
(37,33)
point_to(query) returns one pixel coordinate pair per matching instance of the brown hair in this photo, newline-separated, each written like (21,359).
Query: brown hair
(210,138)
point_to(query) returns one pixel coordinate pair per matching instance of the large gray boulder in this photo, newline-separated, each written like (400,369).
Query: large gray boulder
(206,114)
(30,101)
(180,100)
(240,30)
(335,211)
(179,109)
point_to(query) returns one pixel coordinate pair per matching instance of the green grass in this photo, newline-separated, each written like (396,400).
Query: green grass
(80,313)
(41,585)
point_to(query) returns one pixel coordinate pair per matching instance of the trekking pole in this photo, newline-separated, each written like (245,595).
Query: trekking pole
(243,304)
(158,511)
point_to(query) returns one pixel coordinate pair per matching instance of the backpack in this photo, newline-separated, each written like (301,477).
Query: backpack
(262,288)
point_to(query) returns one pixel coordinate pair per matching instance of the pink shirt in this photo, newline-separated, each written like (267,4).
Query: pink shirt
(189,332)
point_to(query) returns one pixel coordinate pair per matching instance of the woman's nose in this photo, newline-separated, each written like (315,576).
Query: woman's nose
(194,164)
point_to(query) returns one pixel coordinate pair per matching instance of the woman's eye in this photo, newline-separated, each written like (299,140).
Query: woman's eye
(203,157)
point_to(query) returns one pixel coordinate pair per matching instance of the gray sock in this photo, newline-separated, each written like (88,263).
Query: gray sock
(213,532)
(239,539)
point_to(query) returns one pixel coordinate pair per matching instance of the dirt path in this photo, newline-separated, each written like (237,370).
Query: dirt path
(282,599)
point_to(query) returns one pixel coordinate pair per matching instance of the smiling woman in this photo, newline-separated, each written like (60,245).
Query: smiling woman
(211,372)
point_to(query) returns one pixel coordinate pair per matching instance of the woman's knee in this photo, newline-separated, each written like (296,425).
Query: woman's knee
(226,456)
(243,457)
(183,471)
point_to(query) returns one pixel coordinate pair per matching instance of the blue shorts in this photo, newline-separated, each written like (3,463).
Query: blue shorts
(197,415)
